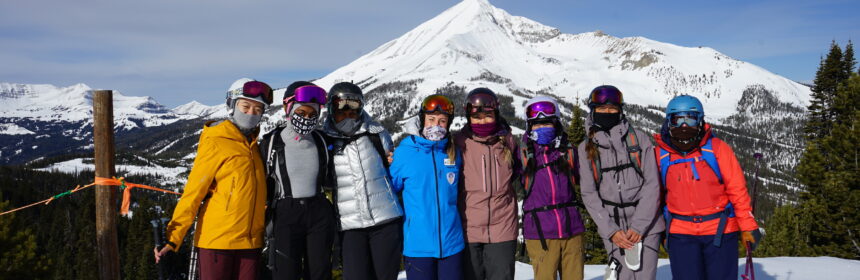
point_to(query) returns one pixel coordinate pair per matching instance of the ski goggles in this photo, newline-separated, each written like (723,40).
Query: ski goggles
(539,110)
(253,89)
(307,94)
(481,102)
(691,119)
(347,104)
(436,103)
(605,95)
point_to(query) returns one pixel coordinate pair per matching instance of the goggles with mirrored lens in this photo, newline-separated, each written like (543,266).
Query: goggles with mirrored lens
(307,94)
(253,89)
(347,104)
(691,119)
(605,95)
(541,109)
(438,103)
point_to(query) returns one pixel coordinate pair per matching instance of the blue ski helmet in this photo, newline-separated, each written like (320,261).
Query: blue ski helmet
(684,103)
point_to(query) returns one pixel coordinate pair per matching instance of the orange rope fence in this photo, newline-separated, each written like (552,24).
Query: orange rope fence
(126,188)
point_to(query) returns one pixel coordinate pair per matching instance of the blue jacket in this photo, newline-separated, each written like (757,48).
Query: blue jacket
(429,182)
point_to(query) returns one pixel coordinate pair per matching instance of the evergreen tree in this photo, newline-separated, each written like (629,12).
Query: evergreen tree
(825,221)
(830,73)
(18,257)
(848,61)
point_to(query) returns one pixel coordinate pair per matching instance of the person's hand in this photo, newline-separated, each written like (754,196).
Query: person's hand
(390,157)
(633,236)
(164,250)
(747,236)
(620,240)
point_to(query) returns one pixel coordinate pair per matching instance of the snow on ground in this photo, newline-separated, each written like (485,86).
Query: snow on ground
(170,176)
(13,129)
(788,268)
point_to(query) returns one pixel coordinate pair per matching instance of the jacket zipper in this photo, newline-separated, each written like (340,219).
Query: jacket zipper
(230,195)
(490,199)
(254,195)
(438,208)
(552,183)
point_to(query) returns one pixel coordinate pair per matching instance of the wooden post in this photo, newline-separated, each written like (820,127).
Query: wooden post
(106,208)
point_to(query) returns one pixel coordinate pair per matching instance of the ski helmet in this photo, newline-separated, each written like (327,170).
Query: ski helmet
(605,94)
(345,95)
(250,89)
(481,99)
(436,103)
(303,92)
(542,107)
(685,109)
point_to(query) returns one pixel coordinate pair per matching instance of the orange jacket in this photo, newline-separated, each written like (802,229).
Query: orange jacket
(690,197)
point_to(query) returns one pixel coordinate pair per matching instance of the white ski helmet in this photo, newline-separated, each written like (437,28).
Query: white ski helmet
(234,92)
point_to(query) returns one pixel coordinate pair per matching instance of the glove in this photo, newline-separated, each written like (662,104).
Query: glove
(747,236)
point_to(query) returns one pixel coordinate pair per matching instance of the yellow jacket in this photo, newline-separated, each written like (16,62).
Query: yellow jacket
(228,169)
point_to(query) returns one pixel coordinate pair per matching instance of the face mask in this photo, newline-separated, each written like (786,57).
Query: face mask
(347,126)
(543,135)
(684,138)
(484,130)
(435,133)
(605,121)
(244,122)
(302,125)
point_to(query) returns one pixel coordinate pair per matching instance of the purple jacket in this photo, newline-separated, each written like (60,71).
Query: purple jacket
(550,188)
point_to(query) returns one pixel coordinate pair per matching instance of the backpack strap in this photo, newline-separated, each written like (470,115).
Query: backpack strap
(711,159)
(322,159)
(634,150)
(377,143)
(707,156)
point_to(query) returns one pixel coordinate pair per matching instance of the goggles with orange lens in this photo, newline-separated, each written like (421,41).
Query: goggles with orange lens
(437,103)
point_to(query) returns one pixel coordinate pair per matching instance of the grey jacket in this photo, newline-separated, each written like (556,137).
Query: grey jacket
(363,190)
(622,186)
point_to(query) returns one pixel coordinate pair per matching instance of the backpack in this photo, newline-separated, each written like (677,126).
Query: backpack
(634,152)
(567,154)
(374,139)
(276,146)
(710,158)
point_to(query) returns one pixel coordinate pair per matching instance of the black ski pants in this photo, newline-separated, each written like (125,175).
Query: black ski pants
(304,234)
(490,261)
(374,252)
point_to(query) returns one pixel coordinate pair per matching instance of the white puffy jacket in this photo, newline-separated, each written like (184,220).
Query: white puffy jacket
(363,192)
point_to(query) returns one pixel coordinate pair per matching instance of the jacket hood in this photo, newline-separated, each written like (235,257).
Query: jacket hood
(226,129)
(368,124)
(665,143)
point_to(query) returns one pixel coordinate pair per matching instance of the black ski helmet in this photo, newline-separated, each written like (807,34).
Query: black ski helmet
(344,90)
(481,97)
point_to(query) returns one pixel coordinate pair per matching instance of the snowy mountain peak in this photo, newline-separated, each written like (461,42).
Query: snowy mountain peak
(195,108)
(476,44)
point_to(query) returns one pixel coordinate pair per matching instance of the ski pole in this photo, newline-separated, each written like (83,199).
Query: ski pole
(749,270)
(757,157)
(156,238)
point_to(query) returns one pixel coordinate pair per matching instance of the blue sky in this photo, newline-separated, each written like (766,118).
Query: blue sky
(178,51)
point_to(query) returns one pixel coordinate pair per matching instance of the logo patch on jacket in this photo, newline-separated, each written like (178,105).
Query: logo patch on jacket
(450,162)
(451,177)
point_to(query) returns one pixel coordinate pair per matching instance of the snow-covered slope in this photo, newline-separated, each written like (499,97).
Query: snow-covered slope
(788,268)
(195,108)
(476,44)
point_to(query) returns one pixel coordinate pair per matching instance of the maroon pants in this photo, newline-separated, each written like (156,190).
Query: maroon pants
(229,264)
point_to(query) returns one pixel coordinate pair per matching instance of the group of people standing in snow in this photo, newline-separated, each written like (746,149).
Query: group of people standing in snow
(321,189)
